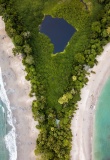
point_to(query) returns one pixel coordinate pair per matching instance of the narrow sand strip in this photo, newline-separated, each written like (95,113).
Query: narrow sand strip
(82,123)
(17,91)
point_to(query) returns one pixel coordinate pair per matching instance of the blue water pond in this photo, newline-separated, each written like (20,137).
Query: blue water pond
(58,30)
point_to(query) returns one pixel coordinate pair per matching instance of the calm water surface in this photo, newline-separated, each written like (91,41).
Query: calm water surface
(58,30)
(102,125)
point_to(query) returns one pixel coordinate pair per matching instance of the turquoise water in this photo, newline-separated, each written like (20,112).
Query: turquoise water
(4,154)
(102,125)
(8,148)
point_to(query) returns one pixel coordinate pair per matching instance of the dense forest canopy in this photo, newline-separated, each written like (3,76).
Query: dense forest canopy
(56,80)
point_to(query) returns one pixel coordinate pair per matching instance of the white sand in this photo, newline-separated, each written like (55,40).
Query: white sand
(17,91)
(82,123)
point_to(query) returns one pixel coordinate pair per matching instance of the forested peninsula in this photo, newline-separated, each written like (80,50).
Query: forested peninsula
(56,79)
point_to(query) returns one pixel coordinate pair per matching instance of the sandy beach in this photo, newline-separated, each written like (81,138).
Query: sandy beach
(18,89)
(82,124)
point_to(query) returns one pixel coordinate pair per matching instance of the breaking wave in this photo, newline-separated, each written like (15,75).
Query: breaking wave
(10,138)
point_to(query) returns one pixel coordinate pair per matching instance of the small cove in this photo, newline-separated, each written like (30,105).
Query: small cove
(58,30)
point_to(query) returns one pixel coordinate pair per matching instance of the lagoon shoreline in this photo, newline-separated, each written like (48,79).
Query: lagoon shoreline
(82,124)
(17,89)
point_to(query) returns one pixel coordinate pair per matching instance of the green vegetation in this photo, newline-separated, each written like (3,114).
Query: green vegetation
(56,80)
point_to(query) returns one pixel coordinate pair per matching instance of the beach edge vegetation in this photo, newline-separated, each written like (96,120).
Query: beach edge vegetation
(56,81)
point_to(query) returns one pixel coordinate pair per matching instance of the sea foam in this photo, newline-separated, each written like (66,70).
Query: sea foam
(10,138)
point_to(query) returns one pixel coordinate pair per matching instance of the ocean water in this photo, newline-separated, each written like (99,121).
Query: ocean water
(4,154)
(8,148)
(101,146)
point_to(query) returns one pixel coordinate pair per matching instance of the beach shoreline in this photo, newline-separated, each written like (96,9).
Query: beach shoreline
(82,124)
(17,89)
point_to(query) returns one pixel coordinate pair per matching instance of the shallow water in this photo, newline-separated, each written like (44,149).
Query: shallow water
(58,30)
(8,148)
(101,145)
(4,154)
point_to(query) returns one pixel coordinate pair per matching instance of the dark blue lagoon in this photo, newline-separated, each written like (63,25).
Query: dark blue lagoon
(58,30)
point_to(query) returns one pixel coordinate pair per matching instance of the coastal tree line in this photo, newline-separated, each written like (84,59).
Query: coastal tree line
(54,140)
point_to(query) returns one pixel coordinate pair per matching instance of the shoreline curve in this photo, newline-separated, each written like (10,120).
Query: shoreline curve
(82,124)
